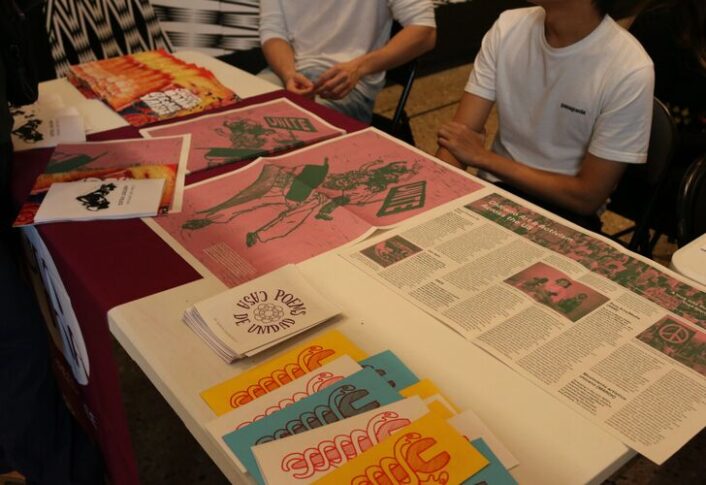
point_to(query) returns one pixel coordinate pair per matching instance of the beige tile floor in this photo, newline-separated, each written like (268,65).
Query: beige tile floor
(167,454)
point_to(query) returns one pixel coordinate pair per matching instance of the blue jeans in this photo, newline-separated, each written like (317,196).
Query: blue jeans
(355,104)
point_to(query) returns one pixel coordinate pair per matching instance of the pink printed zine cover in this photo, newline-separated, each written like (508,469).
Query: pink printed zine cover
(247,133)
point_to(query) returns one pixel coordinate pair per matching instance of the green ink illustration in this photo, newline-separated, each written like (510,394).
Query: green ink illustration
(69,164)
(249,139)
(404,198)
(292,123)
(296,193)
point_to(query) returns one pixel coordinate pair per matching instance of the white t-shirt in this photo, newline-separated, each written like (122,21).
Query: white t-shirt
(554,105)
(327,32)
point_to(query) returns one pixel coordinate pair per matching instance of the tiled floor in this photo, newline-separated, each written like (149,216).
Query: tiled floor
(166,452)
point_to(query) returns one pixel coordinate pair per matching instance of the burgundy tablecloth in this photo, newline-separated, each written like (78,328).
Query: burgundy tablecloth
(107,263)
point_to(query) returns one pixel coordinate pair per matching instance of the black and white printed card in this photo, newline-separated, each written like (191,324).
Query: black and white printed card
(100,199)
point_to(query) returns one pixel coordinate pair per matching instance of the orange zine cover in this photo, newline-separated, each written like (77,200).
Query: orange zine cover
(151,86)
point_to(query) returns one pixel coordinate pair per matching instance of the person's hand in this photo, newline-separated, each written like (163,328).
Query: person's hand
(339,80)
(466,145)
(299,84)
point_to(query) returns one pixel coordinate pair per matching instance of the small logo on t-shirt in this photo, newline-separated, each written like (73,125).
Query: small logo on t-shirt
(572,109)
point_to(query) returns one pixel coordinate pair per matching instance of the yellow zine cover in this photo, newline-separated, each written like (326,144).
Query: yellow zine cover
(279,370)
(426,389)
(427,451)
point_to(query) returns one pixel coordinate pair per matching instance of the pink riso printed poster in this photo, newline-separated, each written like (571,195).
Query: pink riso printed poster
(247,133)
(287,209)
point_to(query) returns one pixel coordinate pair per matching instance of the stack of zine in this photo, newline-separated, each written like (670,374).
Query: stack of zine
(252,317)
(151,86)
(324,412)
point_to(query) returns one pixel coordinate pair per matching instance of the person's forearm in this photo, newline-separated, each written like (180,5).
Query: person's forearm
(566,191)
(446,156)
(280,57)
(412,41)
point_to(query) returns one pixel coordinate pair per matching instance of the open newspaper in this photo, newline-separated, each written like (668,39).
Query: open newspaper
(608,332)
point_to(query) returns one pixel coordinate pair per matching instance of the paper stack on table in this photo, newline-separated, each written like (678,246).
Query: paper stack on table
(102,199)
(151,86)
(252,317)
(135,159)
(341,421)
(46,123)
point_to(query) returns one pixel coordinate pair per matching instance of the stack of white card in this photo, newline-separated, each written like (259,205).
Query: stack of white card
(252,317)
(46,123)
(87,200)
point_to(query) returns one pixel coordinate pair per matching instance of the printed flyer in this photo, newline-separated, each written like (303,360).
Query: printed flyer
(287,209)
(247,133)
(156,158)
(151,86)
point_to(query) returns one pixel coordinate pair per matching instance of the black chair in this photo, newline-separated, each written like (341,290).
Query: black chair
(640,189)
(691,203)
(398,126)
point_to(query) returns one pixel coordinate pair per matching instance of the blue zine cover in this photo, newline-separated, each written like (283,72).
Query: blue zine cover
(358,393)
(494,473)
(392,369)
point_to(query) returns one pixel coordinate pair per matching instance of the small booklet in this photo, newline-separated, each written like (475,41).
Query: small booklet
(363,391)
(428,450)
(301,388)
(87,200)
(303,458)
(259,314)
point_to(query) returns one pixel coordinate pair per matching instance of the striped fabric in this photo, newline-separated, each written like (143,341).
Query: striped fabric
(87,30)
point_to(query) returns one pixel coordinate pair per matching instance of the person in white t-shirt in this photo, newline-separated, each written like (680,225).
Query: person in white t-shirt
(339,50)
(574,94)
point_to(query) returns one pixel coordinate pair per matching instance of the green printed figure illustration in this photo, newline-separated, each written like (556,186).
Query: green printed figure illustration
(300,191)
(249,139)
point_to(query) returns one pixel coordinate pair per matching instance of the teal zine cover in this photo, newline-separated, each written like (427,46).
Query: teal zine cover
(358,393)
(494,473)
(392,369)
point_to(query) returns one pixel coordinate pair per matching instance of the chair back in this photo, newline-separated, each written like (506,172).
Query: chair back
(663,142)
(403,75)
(398,125)
(691,203)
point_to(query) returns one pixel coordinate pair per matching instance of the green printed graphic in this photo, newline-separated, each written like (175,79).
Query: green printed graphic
(404,198)
(292,123)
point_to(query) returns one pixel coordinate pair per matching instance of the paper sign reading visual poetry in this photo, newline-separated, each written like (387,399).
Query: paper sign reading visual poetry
(287,209)
(247,133)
